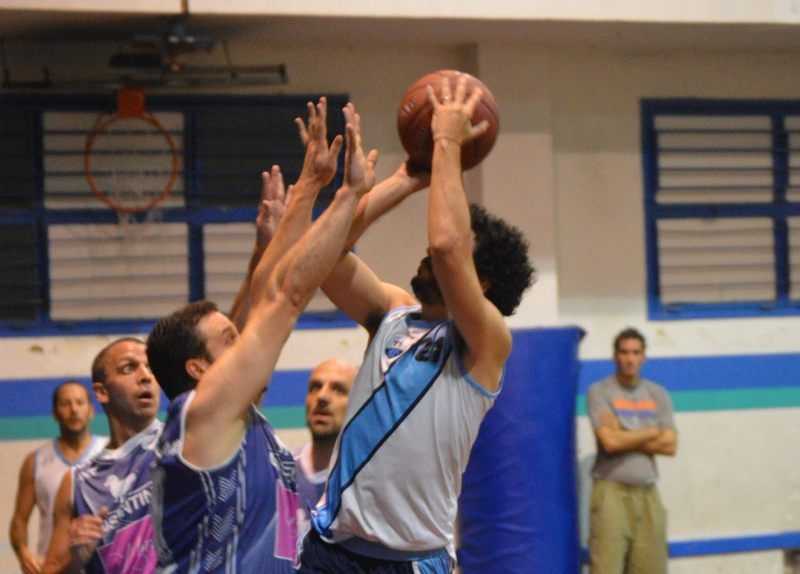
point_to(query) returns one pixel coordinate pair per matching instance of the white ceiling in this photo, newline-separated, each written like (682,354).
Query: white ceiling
(36,26)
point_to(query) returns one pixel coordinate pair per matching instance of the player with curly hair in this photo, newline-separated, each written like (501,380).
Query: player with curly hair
(432,370)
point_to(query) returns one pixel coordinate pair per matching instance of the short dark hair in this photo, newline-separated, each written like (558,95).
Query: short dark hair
(173,341)
(501,256)
(57,390)
(98,365)
(629,333)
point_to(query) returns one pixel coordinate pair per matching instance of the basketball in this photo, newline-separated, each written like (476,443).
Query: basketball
(415,113)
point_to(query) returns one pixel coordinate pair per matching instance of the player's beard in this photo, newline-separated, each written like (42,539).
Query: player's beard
(327,435)
(424,285)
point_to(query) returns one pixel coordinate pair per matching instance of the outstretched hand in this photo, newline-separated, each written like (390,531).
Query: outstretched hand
(452,114)
(320,160)
(274,200)
(359,169)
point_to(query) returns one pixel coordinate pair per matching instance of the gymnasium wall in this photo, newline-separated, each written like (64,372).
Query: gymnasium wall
(567,170)
(734,381)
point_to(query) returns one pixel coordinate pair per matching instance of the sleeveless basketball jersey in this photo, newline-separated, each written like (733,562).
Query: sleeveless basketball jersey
(49,466)
(412,417)
(121,480)
(240,516)
(310,485)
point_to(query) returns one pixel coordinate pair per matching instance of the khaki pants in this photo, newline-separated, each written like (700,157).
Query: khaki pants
(627,530)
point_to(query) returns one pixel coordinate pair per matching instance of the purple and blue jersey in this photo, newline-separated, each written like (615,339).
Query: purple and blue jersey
(240,516)
(121,480)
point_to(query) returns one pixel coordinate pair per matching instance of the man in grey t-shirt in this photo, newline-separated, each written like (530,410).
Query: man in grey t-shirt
(633,421)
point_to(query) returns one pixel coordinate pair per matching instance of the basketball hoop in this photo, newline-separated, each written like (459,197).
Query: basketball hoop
(130,160)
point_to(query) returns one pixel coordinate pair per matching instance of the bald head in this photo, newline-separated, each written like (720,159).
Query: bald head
(326,399)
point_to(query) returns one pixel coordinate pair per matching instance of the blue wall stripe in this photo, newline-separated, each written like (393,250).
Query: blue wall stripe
(732,400)
(732,545)
(33,397)
(707,373)
(757,543)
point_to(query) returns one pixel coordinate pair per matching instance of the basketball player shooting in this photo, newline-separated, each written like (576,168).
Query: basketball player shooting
(431,372)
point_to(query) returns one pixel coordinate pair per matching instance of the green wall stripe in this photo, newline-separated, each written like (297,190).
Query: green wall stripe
(728,400)
(44,427)
(23,428)
(736,400)
(286,417)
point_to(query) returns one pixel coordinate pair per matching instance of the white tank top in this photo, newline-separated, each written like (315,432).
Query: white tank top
(406,440)
(49,466)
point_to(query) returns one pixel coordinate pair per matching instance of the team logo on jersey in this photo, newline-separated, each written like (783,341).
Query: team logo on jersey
(119,488)
(399,344)
(430,350)
(129,505)
(395,347)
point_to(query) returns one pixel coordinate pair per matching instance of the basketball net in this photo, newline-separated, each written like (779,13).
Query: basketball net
(131,226)
(130,160)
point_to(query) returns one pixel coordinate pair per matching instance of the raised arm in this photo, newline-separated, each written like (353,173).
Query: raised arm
(312,258)
(408,179)
(352,285)
(217,417)
(319,167)
(360,294)
(486,339)
(29,561)
(385,195)
(274,198)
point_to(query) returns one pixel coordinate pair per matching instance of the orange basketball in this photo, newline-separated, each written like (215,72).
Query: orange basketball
(415,113)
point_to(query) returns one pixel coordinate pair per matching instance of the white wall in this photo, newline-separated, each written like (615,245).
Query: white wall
(734,474)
